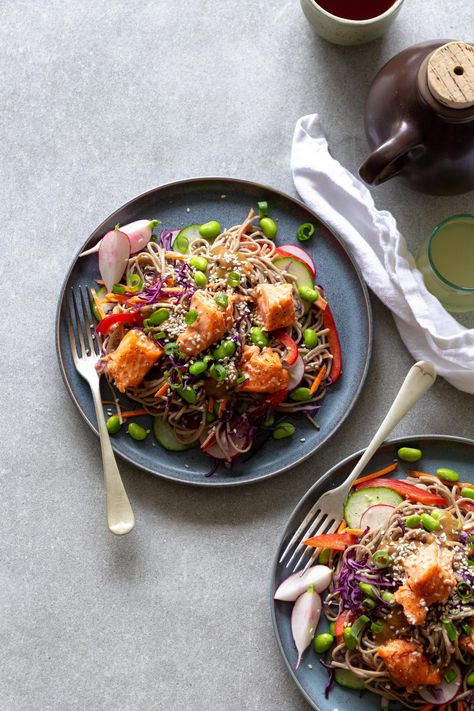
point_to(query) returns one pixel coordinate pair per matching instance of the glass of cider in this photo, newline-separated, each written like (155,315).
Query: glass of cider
(446,261)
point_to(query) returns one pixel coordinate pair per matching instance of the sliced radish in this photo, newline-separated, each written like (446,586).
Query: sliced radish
(444,693)
(292,250)
(290,589)
(139,233)
(376,516)
(304,620)
(114,253)
(296,372)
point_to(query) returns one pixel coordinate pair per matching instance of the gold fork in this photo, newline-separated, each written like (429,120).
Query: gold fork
(85,348)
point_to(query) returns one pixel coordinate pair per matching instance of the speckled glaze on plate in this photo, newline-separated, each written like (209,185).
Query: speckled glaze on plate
(310,678)
(229,200)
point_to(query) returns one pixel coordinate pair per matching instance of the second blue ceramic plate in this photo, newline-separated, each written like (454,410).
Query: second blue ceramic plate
(228,201)
(455,453)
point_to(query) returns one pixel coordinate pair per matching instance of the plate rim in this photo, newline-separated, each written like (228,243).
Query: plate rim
(321,480)
(206,482)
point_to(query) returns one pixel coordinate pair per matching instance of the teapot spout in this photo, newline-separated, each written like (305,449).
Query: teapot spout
(389,158)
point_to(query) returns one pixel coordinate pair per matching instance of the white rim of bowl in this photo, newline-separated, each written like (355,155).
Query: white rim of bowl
(357,23)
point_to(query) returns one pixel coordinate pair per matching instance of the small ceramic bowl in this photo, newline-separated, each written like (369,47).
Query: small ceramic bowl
(341,31)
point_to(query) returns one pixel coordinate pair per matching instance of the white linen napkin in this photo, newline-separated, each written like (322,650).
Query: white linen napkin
(346,205)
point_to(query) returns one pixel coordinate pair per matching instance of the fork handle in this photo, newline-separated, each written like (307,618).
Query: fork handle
(419,379)
(120,516)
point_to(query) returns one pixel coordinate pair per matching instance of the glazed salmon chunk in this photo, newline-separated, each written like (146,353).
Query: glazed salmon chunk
(211,324)
(131,361)
(429,573)
(275,306)
(407,665)
(263,370)
(415,609)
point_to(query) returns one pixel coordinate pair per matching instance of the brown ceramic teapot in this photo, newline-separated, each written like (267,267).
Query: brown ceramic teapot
(420,119)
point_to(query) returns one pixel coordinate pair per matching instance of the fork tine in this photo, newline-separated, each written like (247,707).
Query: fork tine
(316,522)
(299,530)
(324,521)
(87,319)
(331,529)
(70,328)
(79,327)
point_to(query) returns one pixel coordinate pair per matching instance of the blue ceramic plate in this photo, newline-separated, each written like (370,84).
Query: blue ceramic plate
(438,451)
(228,201)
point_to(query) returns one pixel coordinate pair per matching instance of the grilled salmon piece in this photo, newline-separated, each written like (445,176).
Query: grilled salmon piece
(264,370)
(407,664)
(415,609)
(429,573)
(275,305)
(131,361)
(211,324)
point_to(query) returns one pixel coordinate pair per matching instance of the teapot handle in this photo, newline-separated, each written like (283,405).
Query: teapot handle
(388,159)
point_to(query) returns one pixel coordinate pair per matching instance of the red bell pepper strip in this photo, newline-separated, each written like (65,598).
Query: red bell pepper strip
(290,345)
(408,491)
(334,345)
(333,541)
(106,324)
(344,620)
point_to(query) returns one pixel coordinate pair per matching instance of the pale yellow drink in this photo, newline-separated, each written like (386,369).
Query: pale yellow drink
(446,260)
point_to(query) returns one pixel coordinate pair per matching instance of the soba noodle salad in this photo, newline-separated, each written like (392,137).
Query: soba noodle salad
(401,600)
(217,333)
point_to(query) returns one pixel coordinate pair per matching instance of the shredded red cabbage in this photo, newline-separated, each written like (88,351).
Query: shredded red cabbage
(331,677)
(352,573)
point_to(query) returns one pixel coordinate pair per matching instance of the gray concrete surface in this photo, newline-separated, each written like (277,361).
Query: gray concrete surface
(100,101)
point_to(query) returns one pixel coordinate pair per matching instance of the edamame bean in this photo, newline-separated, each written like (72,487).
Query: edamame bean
(188,394)
(258,336)
(159,316)
(136,431)
(199,263)
(200,279)
(409,454)
(310,338)
(301,394)
(113,424)
(198,367)
(429,523)
(181,244)
(268,227)
(447,474)
(283,430)
(229,348)
(308,294)
(210,230)
(470,679)
(323,642)
(437,514)
(413,521)
(467,492)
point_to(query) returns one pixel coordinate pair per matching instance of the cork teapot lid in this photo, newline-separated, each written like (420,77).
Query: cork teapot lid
(451,75)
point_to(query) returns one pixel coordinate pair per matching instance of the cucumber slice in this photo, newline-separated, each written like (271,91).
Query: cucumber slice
(300,271)
(166,436)
(347,679)
(359,501)
(191,232)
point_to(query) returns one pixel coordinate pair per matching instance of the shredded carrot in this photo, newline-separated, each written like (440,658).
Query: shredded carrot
(117,298)
(320,303)
(427,707)
(442,708)
(412,472)
(162,391)
(175,255)
(342,526)
(97,303)
(172,289)
(135,300)
(222,406)
(100,282)
(376,475)
(134,413)
(354,531)
(210,404)
(318,380)
(460,705)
